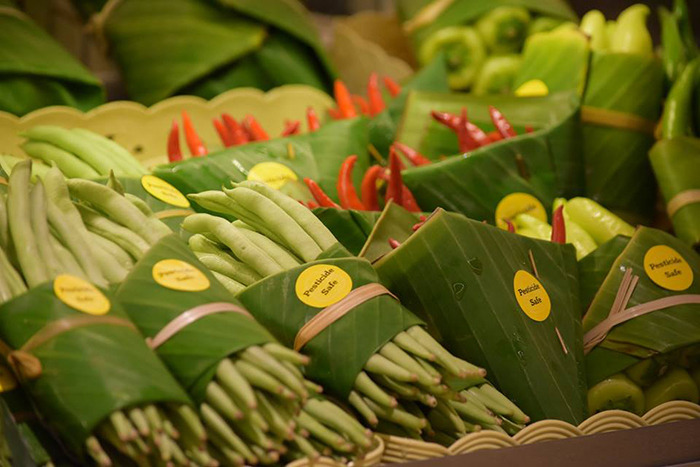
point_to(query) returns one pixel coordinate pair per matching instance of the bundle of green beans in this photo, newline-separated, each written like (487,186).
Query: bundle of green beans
(152,434)
(275,233)
(79,153)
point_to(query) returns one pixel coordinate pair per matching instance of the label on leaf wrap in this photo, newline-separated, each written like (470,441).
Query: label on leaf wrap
(273,174)
(179,275)
(532,88)
(531,296)
(81,295)
(164,191)
(518,203)
(667,268)
(7,380)
(322,285)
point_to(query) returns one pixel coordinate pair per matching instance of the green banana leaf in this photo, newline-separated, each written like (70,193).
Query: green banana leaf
(458,275)
(474,183)
(463,12)
(339,352)
(169,47)
(316,155)
(88,372)
(383,127)
(35,71)
(351,228)
(14,447)
(395,222)
(618,172)
(593,268)
(658,332)
(193,354)
(676,164)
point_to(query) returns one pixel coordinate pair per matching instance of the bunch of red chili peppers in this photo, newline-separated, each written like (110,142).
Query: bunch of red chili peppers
(348,104)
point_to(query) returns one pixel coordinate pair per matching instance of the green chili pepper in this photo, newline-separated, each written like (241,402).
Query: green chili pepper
(675,56)
(680,11)
(600,223)
(631,34)
(504,29)
(543,24)
(645,372)
(497,75)
(610,28)
(575,234)
(676,119)
(676,384)
(465,53)
(526,223)
(616,392)
(593,24)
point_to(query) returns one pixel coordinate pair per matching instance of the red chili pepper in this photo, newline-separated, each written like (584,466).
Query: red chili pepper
(291,127)
(319,195)
(369,187)
(394,190)
(501,123)
(494,136)
(417,226)
(346,190)
(451,121)
(374,94)
(311,204)
(174,152)
(558,226)
(344,100)
(529,129)
(394,244)
(466,142)
(408,200)
(362,103)
(392,86)
(312,119)
(238,134)
(223,132)
(335,114)
(511,227)
(195,144)
(254,129)
(411,154)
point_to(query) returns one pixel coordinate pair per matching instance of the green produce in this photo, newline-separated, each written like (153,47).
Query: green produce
(497,75)
(464,50)
(594,25)
(647,371)
(616,393)
(600,223)
(504,29)
(676,384)
(543,24)
(631,34)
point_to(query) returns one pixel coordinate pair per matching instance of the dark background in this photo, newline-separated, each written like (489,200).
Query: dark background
(611,8)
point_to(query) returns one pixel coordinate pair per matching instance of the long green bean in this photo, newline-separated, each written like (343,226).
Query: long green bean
(119,153)
(129,241)
(40,226)
(70,165)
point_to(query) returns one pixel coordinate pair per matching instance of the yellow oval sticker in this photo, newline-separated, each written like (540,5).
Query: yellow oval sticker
(531,295)
(272,173)
(179,275)
(81,295)
(164,191)
(518,203)
(7,380)
(667,268)
(322,285)
(532,88)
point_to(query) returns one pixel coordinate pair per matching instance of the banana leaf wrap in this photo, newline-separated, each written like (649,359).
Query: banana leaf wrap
(396,223)
(340,351)
(593,268)
(546,163)
(87,372)
(460,276)
(193,354)
(350,227)
(655,333)
(35,71)
(220,45)
(676,164)
(316,155)
(460,12)
(618,172)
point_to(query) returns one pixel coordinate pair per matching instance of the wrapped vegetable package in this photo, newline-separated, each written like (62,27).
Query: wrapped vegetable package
(36,72)
(220,45)
(546,163)
(656,276)
(507,302)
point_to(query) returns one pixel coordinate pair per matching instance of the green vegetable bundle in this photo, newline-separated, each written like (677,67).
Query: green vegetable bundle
(643,321)
(220,45)
(481,40)
(37,72)
(545,163)
(278,256)
(316,155)
(509,303)
(350,227)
